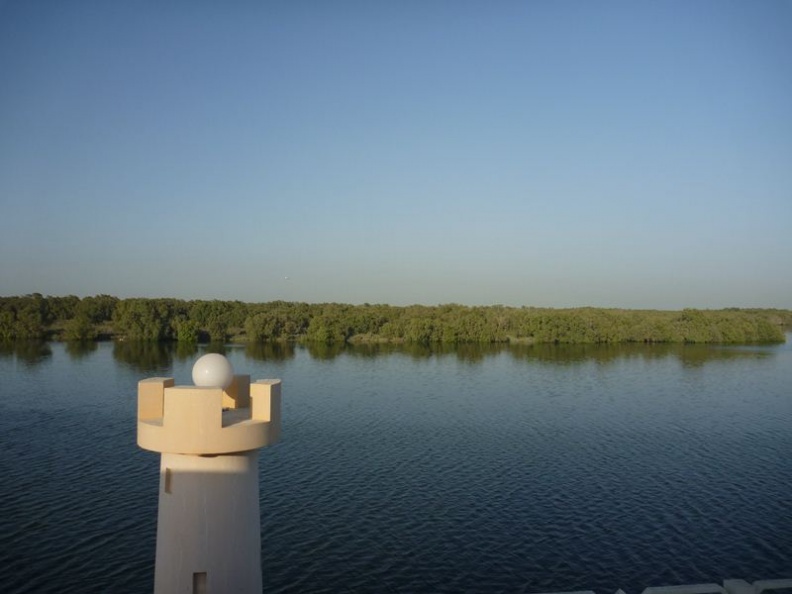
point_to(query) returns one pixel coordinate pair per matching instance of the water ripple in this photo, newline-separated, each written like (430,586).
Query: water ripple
(426,475)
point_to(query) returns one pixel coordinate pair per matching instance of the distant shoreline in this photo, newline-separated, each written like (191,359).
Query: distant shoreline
(105,317)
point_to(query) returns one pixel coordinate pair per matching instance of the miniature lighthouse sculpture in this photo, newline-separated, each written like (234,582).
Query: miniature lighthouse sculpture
(208,525)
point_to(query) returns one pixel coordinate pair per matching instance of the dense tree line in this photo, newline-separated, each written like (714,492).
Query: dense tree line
(103,316)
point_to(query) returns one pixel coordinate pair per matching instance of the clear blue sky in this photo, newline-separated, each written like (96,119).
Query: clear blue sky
(618,154)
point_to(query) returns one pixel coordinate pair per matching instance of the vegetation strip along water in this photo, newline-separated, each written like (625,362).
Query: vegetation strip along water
(73,318)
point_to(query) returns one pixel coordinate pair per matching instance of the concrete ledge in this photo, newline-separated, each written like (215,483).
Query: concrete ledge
(687,589)
(738,587)
(763,585)
(571,592)
(729,587)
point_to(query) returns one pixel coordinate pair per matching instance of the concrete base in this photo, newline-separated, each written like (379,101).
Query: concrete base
(729,587)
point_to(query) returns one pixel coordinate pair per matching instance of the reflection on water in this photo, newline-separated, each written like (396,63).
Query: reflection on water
(483,468)
(144,356)
(79,349)
(270,351)
(325,352)
(469,352)
(28,352)
(216,347)
(688,355)
(186,350)
(150,357)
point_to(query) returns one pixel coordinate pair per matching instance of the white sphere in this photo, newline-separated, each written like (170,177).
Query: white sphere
(212,371)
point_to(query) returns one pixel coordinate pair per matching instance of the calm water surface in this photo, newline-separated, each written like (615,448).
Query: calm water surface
(467,470)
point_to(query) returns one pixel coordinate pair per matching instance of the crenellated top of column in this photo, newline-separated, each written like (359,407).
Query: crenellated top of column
(207,419)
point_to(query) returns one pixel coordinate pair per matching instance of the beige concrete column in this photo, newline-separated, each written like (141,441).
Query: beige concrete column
(209,525)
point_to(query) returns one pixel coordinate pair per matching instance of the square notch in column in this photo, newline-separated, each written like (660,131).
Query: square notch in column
(167,481)
(199,583)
